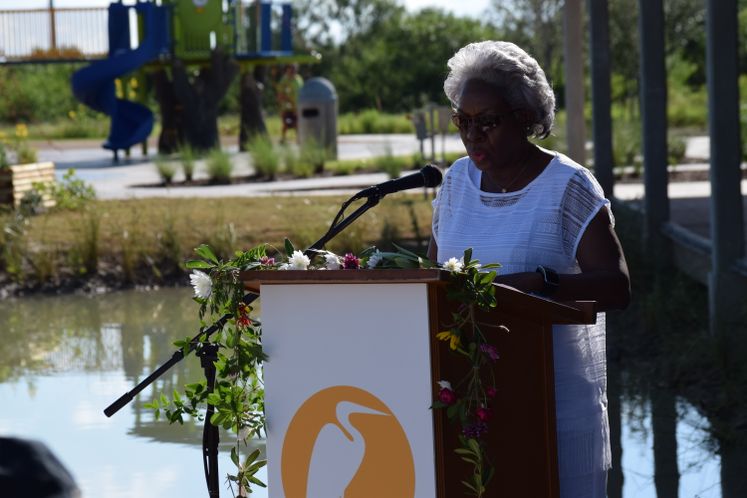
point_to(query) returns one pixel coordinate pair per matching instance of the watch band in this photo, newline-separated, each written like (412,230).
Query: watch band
(550,280)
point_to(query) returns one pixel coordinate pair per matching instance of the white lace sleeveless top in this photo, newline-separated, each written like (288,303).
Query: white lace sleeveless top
(541,224)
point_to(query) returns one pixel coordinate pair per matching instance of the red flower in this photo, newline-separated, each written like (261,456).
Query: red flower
(350,262)
(483,414)
(491,391)
(447,396)
(243,319)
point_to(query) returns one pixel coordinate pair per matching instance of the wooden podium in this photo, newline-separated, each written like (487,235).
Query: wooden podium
(353,356)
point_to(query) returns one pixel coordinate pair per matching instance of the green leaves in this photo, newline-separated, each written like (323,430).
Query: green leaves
(237,398)
(472,287)
(289,249)
(197,264)
(207,253)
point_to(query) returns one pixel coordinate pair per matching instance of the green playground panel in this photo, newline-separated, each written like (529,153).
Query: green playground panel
(193,22)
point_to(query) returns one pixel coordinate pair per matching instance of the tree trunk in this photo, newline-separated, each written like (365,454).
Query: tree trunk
(171,137)
(194,109)
(252,121)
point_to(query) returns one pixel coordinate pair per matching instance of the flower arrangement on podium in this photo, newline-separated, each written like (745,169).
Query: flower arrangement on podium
(238,396)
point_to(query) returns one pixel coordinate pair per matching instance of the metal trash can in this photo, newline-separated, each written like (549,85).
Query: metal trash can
(317,115)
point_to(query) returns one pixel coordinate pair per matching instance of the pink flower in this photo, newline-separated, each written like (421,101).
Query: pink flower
(350,262)
(447,396)
(491,391)
(266,260)
(490,351)
(483,414)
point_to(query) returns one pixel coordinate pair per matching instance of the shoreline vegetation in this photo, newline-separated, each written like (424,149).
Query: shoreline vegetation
(144,243)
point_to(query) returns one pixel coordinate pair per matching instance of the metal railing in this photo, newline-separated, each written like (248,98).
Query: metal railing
(53,34)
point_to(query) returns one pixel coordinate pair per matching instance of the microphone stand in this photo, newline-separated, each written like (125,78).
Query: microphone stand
(208,353)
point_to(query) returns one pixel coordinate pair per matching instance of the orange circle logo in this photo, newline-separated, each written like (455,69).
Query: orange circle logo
(345,442)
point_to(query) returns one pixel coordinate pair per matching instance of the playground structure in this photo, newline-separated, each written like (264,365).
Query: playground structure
(186,51)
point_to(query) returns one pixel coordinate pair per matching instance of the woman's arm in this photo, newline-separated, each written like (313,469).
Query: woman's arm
(604,274)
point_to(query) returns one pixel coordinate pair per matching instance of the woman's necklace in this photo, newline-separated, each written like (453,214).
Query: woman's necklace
(505,188)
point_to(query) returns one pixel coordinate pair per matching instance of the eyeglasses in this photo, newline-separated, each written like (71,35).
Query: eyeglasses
(483,122)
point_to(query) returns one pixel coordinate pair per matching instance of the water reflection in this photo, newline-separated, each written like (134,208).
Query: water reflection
(64,359)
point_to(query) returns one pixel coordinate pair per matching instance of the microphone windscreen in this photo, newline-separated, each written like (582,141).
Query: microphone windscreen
(432,175)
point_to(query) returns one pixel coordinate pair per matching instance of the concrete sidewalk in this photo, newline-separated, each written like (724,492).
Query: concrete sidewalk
(137,177)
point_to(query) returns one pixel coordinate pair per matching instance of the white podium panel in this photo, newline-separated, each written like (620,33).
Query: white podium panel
(348,390)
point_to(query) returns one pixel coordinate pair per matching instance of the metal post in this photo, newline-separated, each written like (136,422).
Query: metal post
(574,81)
(599,43)
(654,114)
(52,28)
(727,291)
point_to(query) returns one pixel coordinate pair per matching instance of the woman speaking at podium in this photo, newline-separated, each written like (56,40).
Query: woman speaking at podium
(544,218)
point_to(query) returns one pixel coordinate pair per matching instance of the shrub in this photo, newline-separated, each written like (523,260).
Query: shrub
(373,121)
(626,143)
(264,156)
(314,155)
(170,245)
(219,166)
(166,170)
(82,122)
(390,164)
(4,163)
(188,162)
(85,252)
(69,193)
(676,148)
(13,245)
(293,164)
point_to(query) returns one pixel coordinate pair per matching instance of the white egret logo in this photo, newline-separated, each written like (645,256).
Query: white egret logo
(345,442)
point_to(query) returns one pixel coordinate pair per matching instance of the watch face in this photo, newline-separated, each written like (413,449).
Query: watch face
(200,3)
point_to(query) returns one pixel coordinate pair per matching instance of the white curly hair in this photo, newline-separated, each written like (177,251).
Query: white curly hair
(514,73)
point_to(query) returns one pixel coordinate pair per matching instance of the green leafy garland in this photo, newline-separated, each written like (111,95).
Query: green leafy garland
(238,395)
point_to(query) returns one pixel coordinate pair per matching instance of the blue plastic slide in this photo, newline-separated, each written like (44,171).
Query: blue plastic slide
(131,123)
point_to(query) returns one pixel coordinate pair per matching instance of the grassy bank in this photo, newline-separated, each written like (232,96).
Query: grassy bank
(145,242)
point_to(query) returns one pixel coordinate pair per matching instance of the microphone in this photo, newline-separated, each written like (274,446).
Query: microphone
(428,176)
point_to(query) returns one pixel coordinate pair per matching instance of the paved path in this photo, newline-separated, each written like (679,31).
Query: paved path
(129,177)
(136,177)
(689,201)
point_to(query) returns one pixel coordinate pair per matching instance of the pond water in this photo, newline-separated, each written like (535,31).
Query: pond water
(64,359)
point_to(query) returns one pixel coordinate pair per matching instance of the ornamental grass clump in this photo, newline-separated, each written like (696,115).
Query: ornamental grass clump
(4,163)
(25,154)
(265,158)
(390,164)
(219,167)
(293,165)
(188,162)
(314,155)
(166,170)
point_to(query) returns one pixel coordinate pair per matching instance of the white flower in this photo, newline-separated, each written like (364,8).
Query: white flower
(375,259)
(202,284)
(444,384)
(285,266)
(299,261)
(332,261)
(454,264)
